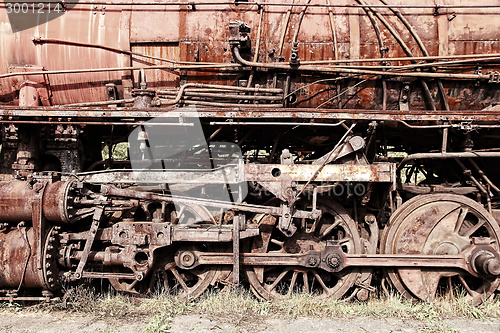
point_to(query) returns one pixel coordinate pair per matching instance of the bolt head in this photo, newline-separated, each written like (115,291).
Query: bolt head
(333,261)
(312,261)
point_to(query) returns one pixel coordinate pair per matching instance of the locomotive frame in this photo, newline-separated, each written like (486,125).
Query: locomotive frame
(343,179)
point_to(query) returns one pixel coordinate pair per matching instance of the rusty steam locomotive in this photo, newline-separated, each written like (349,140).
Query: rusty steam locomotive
(315,146)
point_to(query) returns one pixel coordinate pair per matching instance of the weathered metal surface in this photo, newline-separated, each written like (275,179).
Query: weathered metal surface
(412,82)
(96,115)
(383,172)
(17,202)
(18,267)
(196,36)
(18,262)
(441,224)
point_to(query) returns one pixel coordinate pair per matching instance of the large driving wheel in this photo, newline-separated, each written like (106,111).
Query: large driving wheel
(274,282)
(439,224)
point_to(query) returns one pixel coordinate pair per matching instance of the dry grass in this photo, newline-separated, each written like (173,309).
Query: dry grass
(238,305)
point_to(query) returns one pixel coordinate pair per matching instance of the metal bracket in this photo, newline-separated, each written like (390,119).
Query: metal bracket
(404,97)
(285,223)
(239,35)
(98,213)
(37,220)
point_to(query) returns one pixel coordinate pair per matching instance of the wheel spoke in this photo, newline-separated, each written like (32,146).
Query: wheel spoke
(466,286)
(461,218)
(344,240)
(292,282)
(278,279)
(321,282)
(330,228)
(474,228)
(277,242)
(166,285)
(179,279)
(306,282)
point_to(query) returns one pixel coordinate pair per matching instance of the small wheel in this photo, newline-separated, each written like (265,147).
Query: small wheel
(188,283)
(276,282)
(439,224)
(183,283)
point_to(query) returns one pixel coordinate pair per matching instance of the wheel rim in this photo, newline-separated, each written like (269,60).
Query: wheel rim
(271,283)
(439,224)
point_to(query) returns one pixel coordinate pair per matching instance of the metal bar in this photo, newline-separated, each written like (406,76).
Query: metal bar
(276,211)
(378,172)
(236,248)
(9,112)
(98,213)
(349,260)
(96,275)
(444,143)
(271,123)
(405,260)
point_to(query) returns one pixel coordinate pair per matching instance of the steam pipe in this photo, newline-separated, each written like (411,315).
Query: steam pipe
(40,40)
(382,50)
(418,156)
(231,105)
(227,96)
(284,66)
(405,48)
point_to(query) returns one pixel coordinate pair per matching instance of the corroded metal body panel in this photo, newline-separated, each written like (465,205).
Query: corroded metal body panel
(198,33)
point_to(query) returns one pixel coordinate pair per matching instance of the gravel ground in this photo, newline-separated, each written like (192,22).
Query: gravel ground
(70,322)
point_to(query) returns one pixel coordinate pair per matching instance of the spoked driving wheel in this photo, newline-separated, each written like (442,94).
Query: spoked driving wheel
(181,281)
(440,224)
(185,282)
(274,282)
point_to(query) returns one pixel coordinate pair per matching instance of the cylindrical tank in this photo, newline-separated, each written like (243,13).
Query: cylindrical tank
(16,201)
(199,33)
(18,260)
